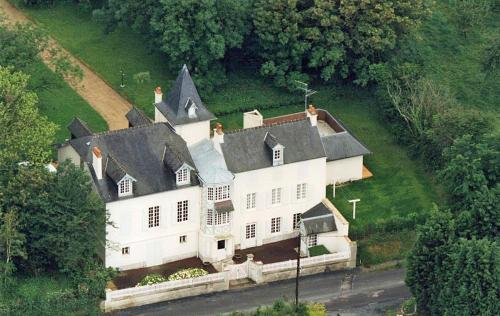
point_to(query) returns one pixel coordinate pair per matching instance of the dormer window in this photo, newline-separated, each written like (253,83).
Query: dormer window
(125,187)
(183,176)
(191,108)
(278,155)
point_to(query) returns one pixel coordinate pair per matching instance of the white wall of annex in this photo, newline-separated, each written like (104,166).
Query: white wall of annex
(262,182)
(152,246)
(344,170)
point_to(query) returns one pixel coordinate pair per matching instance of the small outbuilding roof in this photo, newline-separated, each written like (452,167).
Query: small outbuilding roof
(137,117)
(318,219)
(79,128)
(343,145)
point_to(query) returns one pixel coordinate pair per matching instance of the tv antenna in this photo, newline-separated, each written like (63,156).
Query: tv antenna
(307,92)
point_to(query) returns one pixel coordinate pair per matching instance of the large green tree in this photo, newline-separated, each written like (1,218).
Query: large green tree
(335,39)
(472,279)
(25,135)
(198,33)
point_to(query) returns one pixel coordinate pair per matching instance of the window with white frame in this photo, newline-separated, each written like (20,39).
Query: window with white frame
(250,231)
(182,239)
(296,220)
(125,250)
(221,218)
(278,156)
(182,211)
(183,176)
(125,187)
(312,240)
(301,191)
(251,200)
(210,194)
(275,225)
(222,193)
(154,216)
(276,196)
(210,217)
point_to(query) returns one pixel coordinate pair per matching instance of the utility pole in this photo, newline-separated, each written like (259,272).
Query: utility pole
(297,276)
(307,92)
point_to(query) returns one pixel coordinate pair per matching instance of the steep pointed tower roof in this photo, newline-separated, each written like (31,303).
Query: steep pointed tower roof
(180,101)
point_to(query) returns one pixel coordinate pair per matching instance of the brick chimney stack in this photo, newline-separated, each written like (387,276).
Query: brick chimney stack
(312,114)
(158,95)
(97,162)
(218,137)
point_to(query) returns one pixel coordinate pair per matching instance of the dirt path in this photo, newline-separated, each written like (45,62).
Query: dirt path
(106,101)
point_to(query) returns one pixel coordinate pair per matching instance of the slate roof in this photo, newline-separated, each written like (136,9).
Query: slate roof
(78,128)
(137,151)
(318,219)
(180,98)
(245,149)
(137,117)
(174,159)
(210,164)
(343,145)
(271,140)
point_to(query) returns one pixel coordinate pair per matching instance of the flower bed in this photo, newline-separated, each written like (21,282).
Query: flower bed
(151,279)
(187,274)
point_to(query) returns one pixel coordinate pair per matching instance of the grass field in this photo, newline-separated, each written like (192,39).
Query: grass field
(59,102)
(400,185)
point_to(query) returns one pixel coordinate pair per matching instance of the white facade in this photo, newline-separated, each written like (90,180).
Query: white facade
(149,246)
(191,133)
(262,182)
(344,170)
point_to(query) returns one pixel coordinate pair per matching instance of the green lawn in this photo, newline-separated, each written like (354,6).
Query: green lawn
(59,102)
(400,186)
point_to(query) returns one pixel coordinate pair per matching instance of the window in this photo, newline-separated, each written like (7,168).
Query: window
(210,217)
(301,191)
(222,218)
(124,187)
(277,154)
(250,231)
(125,250)
(210,194)
(154,216)
(182,239)
(221,244)
(183,176)
(222,193)
(312,240)
(275,225)
(182,211)
(296,220)
(251,200)
(276,196)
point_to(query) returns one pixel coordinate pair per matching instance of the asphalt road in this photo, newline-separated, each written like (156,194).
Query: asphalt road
(345,293)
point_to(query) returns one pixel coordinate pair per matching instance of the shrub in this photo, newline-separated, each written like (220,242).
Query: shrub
(151,279)
(142,77)
(316,309)
(187,274)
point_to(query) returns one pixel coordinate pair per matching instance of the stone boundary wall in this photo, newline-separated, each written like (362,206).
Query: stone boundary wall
(217,282)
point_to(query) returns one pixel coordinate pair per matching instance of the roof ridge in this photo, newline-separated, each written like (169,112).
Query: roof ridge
(127,129)
(268,125)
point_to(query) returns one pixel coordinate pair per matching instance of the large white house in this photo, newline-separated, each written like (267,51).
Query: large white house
(175,191)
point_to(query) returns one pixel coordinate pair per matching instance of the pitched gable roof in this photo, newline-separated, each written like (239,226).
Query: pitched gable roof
(271,140)
(343,145)
(78,128)
(246,150)
(318,219)
(138,152)
(137,117)
(182,96)
(174,160)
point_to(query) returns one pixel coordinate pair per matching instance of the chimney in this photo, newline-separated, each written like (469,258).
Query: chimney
(218,137)
(158,95)
(252,119)
(312,115)
(97,162)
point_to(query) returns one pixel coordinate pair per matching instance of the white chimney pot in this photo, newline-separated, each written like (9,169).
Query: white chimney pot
(97,162)
(158,95)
